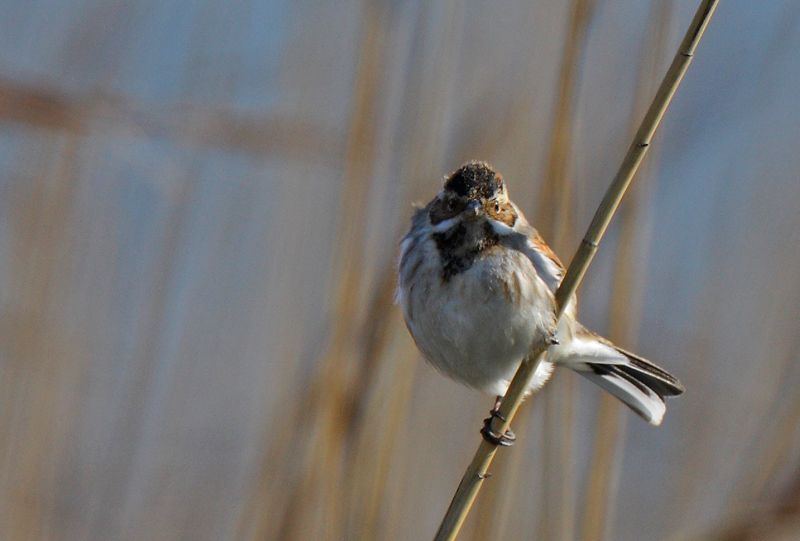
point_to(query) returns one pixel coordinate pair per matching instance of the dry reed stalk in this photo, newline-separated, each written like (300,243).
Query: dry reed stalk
(376,417)
(375,469)
(778,520)
(428,91)
(773,447)
(773,442)
(386,382)
(555,214)
(625,300)
(312,467)
(33,438)
(338,371)
(375,447)
(476,472)
(554,208)
(779,451)
(336,412)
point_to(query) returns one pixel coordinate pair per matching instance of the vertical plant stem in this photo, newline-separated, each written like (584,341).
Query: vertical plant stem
(554,200)
(309,499)
(476,472)
(555,218)
(600,500)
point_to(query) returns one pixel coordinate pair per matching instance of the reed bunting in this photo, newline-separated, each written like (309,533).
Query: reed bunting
(477,287)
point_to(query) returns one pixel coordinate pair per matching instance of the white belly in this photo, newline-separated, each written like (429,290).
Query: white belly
(478,326)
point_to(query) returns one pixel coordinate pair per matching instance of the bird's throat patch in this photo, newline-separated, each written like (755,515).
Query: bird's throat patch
(461,245)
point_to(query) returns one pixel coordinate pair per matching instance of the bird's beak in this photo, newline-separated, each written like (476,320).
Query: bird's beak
(473,209)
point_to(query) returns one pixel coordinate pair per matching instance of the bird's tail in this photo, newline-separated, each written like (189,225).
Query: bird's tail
(637,382)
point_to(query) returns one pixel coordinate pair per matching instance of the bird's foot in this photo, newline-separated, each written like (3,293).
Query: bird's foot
(506,440)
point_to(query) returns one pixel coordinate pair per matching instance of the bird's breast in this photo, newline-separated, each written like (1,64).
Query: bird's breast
(477,324)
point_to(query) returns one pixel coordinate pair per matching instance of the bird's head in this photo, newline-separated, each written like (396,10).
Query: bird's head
(472,193)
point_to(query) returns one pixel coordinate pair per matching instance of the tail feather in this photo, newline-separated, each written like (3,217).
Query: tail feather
(637,382)
(655,377)
(643,400)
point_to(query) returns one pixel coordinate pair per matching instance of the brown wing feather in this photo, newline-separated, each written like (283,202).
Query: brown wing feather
(541,245)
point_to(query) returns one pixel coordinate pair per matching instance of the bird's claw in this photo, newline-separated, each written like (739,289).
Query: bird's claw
(505,440)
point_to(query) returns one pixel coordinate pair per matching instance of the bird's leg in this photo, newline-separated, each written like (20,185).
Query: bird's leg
(497,401)
(507,439)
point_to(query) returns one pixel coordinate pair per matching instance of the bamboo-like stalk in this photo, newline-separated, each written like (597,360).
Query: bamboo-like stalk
(473,477)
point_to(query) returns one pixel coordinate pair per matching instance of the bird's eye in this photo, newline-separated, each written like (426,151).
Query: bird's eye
(496,206)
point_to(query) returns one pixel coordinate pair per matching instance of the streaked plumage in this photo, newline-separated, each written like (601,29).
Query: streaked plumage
(476,287)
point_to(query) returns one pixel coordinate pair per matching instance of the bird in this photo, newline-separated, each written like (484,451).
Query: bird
(476,285)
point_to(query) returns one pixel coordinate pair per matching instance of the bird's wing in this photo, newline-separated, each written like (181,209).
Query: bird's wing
(547,264)
(527,240)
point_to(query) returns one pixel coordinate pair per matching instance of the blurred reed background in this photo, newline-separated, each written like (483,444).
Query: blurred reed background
(200,204)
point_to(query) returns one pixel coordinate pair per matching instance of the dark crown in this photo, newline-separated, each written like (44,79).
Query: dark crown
(475,180)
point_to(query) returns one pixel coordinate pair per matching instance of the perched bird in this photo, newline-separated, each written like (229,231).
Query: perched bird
(477,285)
